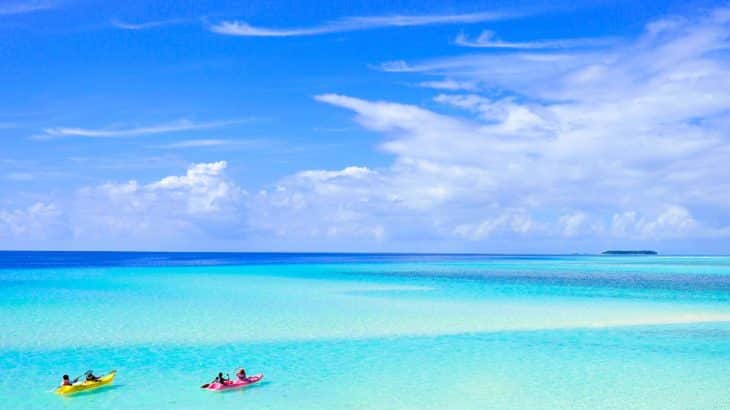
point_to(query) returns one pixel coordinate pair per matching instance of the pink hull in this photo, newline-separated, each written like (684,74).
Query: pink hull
(235,384)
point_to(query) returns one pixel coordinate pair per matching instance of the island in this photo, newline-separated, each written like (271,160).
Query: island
(642,252)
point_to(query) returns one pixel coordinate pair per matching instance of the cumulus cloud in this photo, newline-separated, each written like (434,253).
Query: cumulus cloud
(36,221)
(622,142)
(201,187)
(672,221)
(194,210)
(204,190)
(517,222)
(239,28)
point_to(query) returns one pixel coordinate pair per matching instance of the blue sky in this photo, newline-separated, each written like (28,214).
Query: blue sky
(365,126)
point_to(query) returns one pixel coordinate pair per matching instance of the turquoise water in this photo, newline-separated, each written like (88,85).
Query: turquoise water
(367,331)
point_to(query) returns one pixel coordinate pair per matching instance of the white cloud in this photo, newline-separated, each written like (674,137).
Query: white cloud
(24,6)
(510,221)
(37,221)
(487,39)
(349,172)
(196,210)
(672,221)
(203,190)
(319,205)
(111,132)
(612,137)
(202,187)
(572,223)
(449,84)
(146,25)
(239,28)
(201,205)
(396,66)
(507,115)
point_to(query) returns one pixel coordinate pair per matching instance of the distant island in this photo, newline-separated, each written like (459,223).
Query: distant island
(629,252)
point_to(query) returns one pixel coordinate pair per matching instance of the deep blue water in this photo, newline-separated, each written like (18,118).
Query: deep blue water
(71,259)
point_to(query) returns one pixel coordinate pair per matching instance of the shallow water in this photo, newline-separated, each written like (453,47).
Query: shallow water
(365,331)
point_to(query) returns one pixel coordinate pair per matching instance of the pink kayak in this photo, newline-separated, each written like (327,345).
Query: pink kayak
(235,384)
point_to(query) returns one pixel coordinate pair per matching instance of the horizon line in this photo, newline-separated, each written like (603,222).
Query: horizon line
(360,252)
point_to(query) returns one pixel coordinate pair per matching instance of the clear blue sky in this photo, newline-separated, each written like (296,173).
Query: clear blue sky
(551,126)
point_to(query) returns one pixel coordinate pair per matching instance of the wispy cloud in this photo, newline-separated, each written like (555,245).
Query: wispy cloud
(240,28)
(488,40)
(197,143)
(21,7)
(396,66)
(449,84)
(176,126)
(146,25)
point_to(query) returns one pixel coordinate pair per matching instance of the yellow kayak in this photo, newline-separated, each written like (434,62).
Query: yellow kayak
(88,385)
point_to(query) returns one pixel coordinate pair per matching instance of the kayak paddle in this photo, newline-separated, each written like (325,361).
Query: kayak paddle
(205,386)
(76,379)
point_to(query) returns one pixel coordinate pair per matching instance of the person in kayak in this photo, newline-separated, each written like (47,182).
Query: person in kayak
(241,374)
(90,377)
(220,379)
(66,381)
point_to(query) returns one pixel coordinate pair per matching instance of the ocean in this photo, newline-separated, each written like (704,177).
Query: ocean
(363,331)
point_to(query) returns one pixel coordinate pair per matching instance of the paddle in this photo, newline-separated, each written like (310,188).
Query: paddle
(205,386)
(77,378)
(96,379)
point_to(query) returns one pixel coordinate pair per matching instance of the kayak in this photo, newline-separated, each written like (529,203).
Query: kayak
(87,385)
(235,384)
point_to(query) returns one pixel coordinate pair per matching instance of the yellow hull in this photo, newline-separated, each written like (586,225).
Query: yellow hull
(87,385)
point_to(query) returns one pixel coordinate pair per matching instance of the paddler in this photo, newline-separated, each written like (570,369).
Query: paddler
(220,379)
(66,381)
(241,374)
